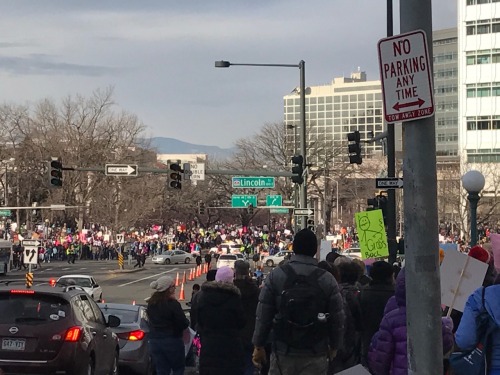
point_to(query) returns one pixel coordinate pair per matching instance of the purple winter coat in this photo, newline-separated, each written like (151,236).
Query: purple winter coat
(388,351)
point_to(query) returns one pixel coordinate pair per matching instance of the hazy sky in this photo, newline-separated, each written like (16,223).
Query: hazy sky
(159,55)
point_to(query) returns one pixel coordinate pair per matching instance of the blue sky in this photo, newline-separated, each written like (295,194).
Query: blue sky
(159,56)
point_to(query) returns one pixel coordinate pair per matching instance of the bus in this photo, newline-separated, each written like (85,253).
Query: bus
(5,256)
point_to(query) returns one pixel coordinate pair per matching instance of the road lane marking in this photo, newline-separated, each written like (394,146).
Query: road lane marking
(147,277)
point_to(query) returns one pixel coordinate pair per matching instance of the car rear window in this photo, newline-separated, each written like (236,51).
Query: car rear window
(126,316)
(80,281)
(36,308)
(227,257)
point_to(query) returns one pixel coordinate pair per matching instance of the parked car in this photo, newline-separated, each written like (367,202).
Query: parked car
(132,335)
(227,260)
(278,258)
(353,252)
(55,330)
(226,248)
(87,282)
(172,256)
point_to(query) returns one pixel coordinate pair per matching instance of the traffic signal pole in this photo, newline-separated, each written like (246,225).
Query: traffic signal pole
(423,291)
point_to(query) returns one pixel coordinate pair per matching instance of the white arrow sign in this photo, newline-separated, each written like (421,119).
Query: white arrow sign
(303,211)
(389,183)
(121,170)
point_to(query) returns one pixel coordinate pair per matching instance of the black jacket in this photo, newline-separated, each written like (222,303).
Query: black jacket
(373,299)
(249,298)
(167,318)
(220,320)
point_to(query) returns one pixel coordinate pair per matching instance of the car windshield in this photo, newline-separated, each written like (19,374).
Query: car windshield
(80,281)
(227,257)
(126,316)
(32,308)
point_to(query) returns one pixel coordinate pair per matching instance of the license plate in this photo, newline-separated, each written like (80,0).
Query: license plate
(13,344)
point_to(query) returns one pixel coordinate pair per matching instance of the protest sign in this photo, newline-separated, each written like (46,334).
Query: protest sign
(371,234)
(460,276)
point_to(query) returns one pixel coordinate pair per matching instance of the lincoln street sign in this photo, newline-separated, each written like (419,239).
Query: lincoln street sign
(389,183)
(253,182)
(121,170)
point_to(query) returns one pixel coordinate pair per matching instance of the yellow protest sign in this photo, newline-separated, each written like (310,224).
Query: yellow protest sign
(371,234)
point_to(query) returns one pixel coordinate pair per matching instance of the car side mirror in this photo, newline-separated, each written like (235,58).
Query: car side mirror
(95,286)
(113,321)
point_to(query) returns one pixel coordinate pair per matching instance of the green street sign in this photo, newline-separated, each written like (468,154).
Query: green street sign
(253,182)
(274,200)
(243,200)
(5,213)
(279,210)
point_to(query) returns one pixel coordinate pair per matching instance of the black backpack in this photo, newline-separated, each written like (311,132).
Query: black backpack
(297,323)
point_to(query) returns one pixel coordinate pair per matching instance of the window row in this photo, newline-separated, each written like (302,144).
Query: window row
(479,2)
(447,106)
(480,27)
(491,158)
(447,89)
(447,137)
(445,57)
(352,98)
(446,73)
(480,90)
(450,121)
(442,42)
(491,56)
(483,123)
(447,153)
(337,107)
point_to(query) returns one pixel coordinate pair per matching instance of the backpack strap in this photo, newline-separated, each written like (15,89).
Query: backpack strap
(290,274)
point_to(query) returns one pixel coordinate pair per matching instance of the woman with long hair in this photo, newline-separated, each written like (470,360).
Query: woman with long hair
(167,322)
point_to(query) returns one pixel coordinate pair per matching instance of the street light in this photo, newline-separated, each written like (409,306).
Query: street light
(336,200)
(302,93)
(473,181)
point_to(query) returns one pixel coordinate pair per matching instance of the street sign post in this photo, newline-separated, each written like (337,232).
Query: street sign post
(253,182)
(274,200)
(406,77)
(303,211)
(389,183)
(121,170)
(243,200)
(120,238)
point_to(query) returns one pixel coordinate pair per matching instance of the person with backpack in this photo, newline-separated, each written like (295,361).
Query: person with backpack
(302,306)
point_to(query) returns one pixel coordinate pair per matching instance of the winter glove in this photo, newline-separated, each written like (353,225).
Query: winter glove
(333,353)
(259,356)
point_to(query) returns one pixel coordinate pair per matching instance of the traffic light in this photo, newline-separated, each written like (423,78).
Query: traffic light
(382,204)
(250,209)
(174,176)
(298,169)
(201,208)
(354,148)
(372,203)
(55,172)
(310,224)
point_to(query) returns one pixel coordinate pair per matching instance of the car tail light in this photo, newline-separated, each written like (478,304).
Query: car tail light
(22,291)
(73,334)
(137,335)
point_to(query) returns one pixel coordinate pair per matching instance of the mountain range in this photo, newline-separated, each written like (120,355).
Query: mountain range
(165,145)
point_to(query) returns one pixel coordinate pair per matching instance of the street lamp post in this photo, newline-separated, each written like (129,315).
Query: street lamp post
(473,181)
(336,200)
(302,99)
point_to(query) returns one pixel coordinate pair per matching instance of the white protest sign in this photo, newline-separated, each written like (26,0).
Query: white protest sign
(324,248)
(197,171)
(356,370)
(460,276)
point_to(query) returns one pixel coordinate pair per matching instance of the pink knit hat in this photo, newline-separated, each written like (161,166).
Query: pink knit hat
(224,274)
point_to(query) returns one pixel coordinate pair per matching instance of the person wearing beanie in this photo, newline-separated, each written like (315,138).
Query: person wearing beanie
(194,301)
(167,323)
(220,319)
(300,358)
(249,299)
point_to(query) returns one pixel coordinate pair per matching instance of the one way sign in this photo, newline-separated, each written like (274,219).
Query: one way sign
(121,170)
(389,183)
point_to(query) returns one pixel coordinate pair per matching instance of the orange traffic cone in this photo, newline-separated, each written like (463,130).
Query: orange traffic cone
(206,267)
(177,280)
(182,297)
(198,271)
(184,277)
(191,277)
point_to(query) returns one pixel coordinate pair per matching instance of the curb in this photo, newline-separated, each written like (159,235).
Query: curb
(128,271)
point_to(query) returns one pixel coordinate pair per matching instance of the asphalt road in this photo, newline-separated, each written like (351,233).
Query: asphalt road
(119,286)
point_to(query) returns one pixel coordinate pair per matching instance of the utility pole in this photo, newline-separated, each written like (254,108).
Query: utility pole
(423,290)
(391,166)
